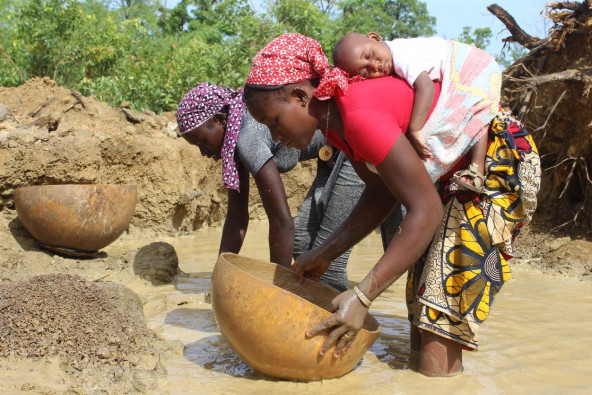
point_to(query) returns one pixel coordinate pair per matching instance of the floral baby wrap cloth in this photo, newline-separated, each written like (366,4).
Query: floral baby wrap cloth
(469,100)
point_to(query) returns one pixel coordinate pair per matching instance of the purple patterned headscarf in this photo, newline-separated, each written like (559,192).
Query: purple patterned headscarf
(200,104)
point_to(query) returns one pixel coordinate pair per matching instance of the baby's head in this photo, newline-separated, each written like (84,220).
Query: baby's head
(362,55)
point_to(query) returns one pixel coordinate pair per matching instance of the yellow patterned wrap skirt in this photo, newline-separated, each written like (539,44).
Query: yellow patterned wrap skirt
(450,291)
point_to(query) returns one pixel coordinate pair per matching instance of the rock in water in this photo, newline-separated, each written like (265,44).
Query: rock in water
(157,262)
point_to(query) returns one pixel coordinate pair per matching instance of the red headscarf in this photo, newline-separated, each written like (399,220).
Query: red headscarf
(292,58)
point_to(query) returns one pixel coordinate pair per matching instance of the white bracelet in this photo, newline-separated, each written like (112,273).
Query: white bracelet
(363,298)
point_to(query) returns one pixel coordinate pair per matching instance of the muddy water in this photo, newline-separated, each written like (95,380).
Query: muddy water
(537,341)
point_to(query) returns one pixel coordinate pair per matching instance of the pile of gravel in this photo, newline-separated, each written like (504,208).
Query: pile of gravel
(67,316)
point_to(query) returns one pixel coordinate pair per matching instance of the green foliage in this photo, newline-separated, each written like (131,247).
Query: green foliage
(11,73)
(52,42)
(301,16)
(140,51)
(390,19)
(173,21)
(479,37)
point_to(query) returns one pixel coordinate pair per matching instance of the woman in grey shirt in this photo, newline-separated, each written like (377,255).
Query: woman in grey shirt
(215,119)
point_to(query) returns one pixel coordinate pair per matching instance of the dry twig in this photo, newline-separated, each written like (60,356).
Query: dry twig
(78,97)
(79,100)
(584,75)
(568,222)
(42,106)
(523,102)
(569,176)
(564,5)
(560,163)
(544,125)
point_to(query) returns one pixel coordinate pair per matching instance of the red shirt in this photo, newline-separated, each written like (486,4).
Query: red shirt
(374,112)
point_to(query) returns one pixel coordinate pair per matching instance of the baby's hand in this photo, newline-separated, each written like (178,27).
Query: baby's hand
(422,150)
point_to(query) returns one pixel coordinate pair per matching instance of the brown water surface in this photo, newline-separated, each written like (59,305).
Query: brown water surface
(537,340)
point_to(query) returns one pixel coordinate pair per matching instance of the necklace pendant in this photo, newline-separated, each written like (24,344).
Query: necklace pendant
(325,153)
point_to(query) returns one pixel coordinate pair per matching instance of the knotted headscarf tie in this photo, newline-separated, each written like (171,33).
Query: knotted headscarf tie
(200,104)
(292,58)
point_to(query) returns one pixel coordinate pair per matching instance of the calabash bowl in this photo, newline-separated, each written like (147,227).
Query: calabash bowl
(264,312)
(80,217)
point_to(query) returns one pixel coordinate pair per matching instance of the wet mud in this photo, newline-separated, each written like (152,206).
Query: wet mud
(533,342)
(528,345)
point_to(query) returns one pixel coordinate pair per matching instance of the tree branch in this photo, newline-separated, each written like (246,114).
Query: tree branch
(42,106)
(584,75)
(518,35)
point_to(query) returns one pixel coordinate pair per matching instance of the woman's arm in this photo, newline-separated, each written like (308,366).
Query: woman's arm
(405,176)
(374,205)
(281,225)
(237,217)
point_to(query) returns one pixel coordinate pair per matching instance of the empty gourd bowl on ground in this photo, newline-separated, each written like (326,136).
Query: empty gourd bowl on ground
(76,219)
(264,312)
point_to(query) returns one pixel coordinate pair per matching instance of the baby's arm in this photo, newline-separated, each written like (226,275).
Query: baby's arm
(422,102)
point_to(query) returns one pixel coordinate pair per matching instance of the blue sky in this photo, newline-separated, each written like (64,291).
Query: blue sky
(453,15)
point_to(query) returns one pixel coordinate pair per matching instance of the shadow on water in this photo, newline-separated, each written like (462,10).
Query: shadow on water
(213,353)
(392,345)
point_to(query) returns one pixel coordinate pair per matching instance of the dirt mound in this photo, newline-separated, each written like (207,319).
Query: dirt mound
(549,89)
(52,135)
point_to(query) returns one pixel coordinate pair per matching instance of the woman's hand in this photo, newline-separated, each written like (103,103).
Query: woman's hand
(344,324)
(311,264)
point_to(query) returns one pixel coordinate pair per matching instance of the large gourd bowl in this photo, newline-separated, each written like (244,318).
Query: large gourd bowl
(76,217)
(264,312)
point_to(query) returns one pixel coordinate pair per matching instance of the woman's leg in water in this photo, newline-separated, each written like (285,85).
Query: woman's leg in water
(439,356)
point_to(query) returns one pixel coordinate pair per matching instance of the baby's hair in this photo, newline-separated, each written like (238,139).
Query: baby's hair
(338,52)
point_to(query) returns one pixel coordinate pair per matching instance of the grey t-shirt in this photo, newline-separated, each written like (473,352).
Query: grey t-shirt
(254,147)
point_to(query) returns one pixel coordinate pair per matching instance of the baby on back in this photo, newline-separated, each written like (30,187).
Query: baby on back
(421,61)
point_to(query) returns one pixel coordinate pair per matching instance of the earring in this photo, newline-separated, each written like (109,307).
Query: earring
(303,104)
